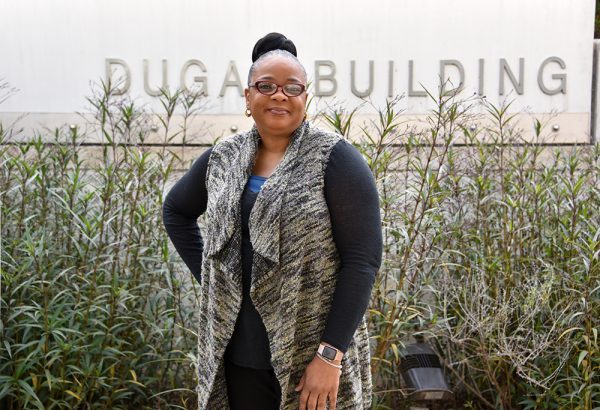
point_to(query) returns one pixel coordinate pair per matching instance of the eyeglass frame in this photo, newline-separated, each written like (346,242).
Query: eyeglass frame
(278,87)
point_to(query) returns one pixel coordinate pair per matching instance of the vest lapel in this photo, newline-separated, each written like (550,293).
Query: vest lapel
(264,223)
(224,208)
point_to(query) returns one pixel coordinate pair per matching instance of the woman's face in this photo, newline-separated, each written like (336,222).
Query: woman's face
(277,114)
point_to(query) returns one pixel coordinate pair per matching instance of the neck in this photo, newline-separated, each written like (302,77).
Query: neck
(274,143)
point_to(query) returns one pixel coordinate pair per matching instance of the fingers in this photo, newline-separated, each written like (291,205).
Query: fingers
(333,400)
(316,401)
(312,401)
(303,399)
(319,383)
(300,384)
(322,401)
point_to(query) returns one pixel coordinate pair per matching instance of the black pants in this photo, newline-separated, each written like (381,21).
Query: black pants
(251,389)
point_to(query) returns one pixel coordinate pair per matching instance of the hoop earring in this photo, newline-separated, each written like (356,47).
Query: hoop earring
(247,113)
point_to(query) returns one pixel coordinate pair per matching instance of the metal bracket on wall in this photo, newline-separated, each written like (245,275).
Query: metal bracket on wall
(594,126)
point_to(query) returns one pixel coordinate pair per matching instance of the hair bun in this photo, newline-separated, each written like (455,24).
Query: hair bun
(270,42)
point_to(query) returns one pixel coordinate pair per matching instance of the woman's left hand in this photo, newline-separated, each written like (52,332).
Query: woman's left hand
(319,381)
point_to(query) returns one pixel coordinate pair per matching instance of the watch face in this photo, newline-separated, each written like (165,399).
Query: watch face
(329,353)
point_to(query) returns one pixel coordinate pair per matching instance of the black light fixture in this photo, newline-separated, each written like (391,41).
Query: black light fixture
(422,373)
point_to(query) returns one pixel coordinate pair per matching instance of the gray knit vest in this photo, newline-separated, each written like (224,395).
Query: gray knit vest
(293,270)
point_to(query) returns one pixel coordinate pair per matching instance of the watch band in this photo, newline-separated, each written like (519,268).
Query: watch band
(337,366)
(330,353)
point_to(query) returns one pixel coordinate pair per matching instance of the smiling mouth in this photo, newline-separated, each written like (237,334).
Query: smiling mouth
(278,111)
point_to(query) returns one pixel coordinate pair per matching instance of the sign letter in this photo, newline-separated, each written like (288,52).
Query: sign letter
(505,68)
(461,72)
(325,77)
(198,80)
(562,88)
(353,80)
(411,91)
(165,85)
(236,82)
(125,79)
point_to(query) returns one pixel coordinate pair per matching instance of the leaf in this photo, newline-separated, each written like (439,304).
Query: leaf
(31,393)
(133,375)
(7,345)
(582,356)
(49,379)
(567,331)
(70,393)
(395,350)
(6,389)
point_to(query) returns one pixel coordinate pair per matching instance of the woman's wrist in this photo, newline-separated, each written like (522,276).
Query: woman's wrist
(329,362)
(330,353)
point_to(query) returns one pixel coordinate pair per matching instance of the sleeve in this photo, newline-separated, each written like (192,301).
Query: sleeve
(353,202)
(184,203)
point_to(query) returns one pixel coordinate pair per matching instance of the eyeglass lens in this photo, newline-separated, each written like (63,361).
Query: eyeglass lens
(268,88)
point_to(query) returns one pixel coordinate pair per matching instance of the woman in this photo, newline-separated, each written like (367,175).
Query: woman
(290,252)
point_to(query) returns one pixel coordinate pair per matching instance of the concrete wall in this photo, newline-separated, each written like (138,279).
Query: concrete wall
(538,53)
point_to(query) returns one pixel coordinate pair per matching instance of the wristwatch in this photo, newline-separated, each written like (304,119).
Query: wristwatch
(330,353)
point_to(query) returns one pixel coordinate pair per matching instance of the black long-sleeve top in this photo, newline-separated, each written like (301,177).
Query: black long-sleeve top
(353,204)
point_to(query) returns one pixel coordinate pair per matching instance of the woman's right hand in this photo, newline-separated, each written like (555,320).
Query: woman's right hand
(319,382)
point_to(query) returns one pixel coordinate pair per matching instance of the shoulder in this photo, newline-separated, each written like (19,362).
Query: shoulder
(340,146)
(345,151)
(200,164)
(347,163)
(230,142)
(336,150)
(219,157)
(319,142)
(323,136)
(227,148)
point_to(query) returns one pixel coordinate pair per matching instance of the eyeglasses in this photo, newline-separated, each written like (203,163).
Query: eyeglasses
(269,88)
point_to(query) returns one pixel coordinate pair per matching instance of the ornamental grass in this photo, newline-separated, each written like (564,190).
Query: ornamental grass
(491,255)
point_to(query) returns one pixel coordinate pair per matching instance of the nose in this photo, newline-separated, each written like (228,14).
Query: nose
(279,95)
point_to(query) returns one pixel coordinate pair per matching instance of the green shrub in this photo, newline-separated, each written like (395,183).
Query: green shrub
(491,254)
(93,301)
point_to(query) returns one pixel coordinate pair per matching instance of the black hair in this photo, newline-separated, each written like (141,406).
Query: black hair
(273,44)
(273,41)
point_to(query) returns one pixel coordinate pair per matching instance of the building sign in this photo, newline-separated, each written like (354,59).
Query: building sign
(325,81)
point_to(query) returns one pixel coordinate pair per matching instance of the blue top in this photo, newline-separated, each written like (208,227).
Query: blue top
(256,182)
